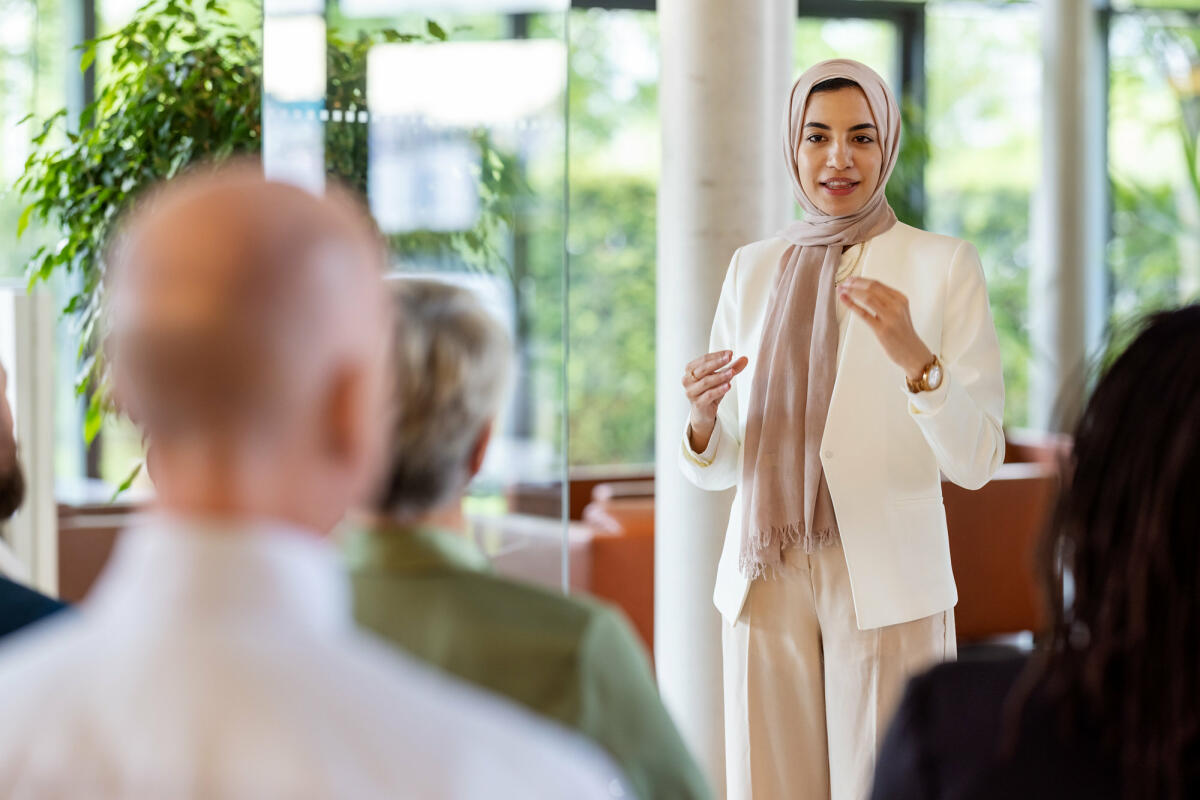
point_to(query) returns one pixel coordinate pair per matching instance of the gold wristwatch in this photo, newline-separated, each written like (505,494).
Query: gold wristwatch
(931,378)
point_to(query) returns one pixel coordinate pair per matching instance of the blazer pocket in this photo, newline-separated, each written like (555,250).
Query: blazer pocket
(918,517)
(905,502)
(918,541)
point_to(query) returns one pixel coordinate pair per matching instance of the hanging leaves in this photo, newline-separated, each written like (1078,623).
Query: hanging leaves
(183,85)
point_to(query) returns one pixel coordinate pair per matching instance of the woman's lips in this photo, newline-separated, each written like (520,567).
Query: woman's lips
(839,188)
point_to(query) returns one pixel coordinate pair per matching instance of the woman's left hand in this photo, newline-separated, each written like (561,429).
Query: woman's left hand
(886,311)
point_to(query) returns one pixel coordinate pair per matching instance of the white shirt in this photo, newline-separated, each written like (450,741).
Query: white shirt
(220,661)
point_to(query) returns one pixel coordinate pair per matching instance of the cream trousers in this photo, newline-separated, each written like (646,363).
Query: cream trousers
(808,696)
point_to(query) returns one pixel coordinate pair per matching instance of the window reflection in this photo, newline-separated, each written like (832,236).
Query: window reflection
(449,117)
(293,96)
(421,180)
(424,100)
(466,84)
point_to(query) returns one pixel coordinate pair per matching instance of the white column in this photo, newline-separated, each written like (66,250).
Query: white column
(1067,287)
(726,68)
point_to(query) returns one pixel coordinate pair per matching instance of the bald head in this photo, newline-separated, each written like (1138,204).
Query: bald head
(247,337)
(230,297)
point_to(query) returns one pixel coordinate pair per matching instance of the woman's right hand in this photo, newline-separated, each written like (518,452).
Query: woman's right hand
(705,381)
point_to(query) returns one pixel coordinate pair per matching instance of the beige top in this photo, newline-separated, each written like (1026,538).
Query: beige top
(850,267)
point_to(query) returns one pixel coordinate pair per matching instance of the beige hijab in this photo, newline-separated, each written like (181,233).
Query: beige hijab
(785,498)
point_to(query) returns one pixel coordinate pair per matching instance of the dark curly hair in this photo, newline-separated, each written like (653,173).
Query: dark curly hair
(1121,563)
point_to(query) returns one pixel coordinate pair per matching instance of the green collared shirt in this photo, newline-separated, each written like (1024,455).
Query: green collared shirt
(573,659)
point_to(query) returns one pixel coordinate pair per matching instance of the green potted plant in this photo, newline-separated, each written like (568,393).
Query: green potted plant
(184,86)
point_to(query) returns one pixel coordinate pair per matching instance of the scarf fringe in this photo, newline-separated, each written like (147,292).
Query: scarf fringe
(785,536)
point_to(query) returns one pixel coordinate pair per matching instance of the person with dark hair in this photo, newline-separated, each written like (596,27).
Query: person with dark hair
(422,583)
(1108,706)
(873,367)
(20,606)
(12,478)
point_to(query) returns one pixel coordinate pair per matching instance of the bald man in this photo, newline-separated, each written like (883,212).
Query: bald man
(247,338)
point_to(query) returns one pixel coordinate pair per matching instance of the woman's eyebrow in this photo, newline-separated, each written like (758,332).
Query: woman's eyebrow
(862,126)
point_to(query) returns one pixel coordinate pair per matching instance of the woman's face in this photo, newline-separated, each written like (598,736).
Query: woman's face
(838,155)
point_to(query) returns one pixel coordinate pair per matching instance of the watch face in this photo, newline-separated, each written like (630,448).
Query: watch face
(934,378)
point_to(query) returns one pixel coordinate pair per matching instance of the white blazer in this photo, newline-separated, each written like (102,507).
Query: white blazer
(883,447)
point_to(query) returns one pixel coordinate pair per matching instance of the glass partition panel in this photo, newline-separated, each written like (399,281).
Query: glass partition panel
(984,76)
(450,119)
(615,159)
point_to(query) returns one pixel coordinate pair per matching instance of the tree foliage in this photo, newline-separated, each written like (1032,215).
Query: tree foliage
(183,86)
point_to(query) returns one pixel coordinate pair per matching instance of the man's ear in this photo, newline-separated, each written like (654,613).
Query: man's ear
(343,423)
(479,450)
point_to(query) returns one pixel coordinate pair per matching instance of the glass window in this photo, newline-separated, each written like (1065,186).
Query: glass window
(985,156)
(1154,127)
(612,239)
(875,43)
(28,85)
(450,120)
(33,74)
(1185,5)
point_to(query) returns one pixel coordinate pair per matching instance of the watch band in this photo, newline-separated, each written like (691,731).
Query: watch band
(922,383)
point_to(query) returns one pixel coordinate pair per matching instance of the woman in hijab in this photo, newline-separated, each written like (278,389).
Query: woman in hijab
(870,366)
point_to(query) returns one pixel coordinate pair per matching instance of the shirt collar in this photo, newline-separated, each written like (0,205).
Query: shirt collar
(233,573)
(401,548)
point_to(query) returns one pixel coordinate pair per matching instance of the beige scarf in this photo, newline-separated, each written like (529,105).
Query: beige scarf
(785,498)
